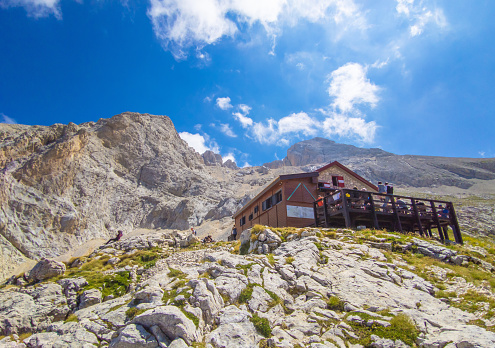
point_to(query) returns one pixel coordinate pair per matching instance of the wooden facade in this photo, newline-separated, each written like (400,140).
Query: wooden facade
(287,201)
(292,196)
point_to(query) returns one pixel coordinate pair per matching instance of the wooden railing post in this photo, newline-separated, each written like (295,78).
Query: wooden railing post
(416,213)
(455,224)
(347,217)
(397,217)
(373,211)
(315,211)
(437,221)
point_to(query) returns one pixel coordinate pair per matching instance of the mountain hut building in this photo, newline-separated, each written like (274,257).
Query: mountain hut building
(288,200)
(336,196)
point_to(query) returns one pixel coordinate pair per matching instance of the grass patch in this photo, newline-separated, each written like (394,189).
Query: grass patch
(330,234)
(262,325)
(271,259)
(289,260)
(143,258)
(445,294)
(472,302)
(246,293)
(335,303)
(244,249)
(175,273)
(179,284)
(245,267)
(72,317)
(133,312)
(190,316)
(401,328)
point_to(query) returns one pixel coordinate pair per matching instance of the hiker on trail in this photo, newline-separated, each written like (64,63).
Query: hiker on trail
(116,239)
(234,232)
(193,231)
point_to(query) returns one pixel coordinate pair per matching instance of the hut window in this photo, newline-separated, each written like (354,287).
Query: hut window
(255,209)
(243,221)
(250,216)
(266,204)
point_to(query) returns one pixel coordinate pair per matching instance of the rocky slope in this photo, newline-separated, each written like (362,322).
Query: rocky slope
(66,184)
(295,288)
(404,170)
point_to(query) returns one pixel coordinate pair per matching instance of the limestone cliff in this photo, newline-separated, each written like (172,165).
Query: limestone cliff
(65,184)
(376,164)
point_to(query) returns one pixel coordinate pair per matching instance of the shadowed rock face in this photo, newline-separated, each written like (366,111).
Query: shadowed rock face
(65,184)
(376,164)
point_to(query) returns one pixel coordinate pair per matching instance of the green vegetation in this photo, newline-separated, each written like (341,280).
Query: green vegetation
(133,312)
(244,248)
(175,273)
(271,259)
(335,303)
(179,284)
(144,258)
(190,316)
(289,260)
(72,317)
(245,267)
(262,325)
(402,328)
(246,293)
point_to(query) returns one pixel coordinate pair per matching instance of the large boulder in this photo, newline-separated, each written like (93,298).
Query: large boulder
(90,297)
(134,336)
(171,321)
(46,269)
(31,310)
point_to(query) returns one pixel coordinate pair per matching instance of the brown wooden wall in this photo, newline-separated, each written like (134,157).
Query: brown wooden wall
(276,216)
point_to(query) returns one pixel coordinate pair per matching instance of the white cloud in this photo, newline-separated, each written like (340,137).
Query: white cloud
(349,127)
(297,123)
(225,129)
(182,24)
(420,16)
(349,85)
(246,164)
(229,156)
(36,8)
(244,120)
(7,119)
(199,142)
(244,108)
(224,103)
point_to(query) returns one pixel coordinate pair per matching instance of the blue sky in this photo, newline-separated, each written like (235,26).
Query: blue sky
(248,79)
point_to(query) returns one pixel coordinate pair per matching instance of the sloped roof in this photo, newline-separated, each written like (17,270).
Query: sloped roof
(347,170)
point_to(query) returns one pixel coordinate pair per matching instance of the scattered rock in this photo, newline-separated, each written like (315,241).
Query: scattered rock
(46,269)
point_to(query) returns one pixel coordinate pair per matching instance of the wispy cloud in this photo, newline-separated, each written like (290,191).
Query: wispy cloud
(7,119)
(200,143)
(227,130)
(224,103)
(185,24)
(36,8)
(420,16)
(349,88)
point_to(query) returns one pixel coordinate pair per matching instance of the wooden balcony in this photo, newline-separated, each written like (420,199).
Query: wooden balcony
(352,208)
